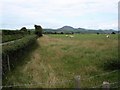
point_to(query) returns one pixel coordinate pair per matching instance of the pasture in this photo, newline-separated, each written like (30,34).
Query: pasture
(58,59)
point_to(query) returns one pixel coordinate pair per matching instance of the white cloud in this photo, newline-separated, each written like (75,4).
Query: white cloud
(52,13)
(109,25)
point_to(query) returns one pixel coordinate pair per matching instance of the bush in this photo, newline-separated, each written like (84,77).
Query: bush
(113,33)
(10,35)
(7,38)
(15,51)
(11,32)
(24,29)
(38,30)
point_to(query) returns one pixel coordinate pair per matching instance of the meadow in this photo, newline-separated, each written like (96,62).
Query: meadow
(56,60)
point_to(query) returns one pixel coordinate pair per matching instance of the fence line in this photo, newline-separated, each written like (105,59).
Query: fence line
(9,42)
(65,81)
(22,85)
(8,62)
(100,74)
(109,84)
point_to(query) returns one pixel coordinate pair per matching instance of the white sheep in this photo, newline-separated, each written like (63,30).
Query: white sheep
(66,35)
(71,36)
(108,36)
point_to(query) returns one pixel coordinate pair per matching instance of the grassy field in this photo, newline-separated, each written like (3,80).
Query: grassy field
(58,58)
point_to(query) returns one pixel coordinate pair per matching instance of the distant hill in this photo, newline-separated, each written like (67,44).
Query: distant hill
(69,29)
(66,28)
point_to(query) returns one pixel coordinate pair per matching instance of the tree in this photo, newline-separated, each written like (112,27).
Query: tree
(29,32)
(38,30)
(113,33)
(23,29)
(98,33)
(72,33)
(62,33)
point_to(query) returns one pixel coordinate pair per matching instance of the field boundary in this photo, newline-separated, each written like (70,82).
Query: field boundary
(6,43)
(66,81)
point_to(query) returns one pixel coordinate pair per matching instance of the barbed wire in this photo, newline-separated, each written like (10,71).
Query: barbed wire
(117,87)
(65,81)
(22,85)
(98,86)
(103,74)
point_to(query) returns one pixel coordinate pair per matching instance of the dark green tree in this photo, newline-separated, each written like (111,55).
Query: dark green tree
(23,29)
(29,32)
(38,30)
(98,33)
(72,32)
(62,33)
(113,33)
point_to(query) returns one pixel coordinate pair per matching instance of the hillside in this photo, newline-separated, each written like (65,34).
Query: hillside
(69,29)
(66,28)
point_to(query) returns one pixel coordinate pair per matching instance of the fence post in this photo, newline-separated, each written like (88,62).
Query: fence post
(0,87)
(8,62)
(106,85)
(77,82)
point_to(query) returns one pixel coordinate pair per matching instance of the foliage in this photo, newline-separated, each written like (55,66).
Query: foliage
(113,33)
(11,32)
(10,35)
(23,29)
(38,30)
(15,50)
(7,38)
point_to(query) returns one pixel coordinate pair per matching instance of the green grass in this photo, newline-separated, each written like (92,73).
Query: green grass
(59,58)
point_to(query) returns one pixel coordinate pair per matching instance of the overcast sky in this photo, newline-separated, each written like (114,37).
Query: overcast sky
(93,14)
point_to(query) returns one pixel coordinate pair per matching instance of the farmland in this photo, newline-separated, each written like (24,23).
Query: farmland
(57,58)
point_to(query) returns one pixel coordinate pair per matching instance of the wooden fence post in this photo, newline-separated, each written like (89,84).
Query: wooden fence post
(8,62)
(77,82)
(106,85)
(0,87)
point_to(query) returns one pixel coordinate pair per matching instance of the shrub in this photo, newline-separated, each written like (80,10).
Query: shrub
(24,29)
(113,33)
(11,32)
(10,35)
(38,30)
(15,51)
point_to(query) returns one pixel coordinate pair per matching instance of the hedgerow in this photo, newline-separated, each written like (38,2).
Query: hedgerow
(12,32)
(9,35)
(15,50)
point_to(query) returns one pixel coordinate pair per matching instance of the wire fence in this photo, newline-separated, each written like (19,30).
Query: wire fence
(66,81)
(109,84)
(103,74)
